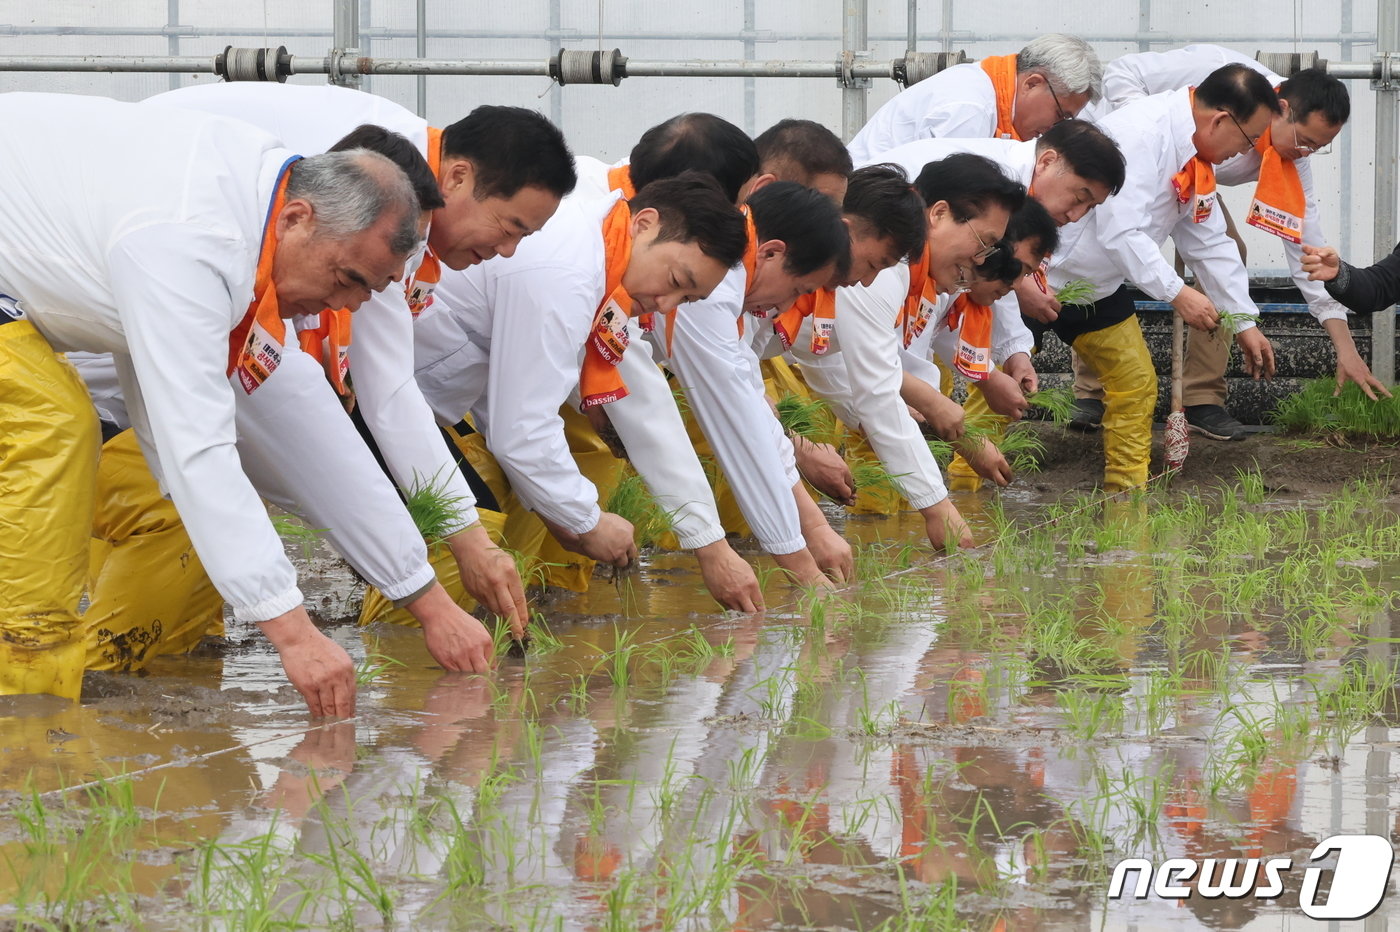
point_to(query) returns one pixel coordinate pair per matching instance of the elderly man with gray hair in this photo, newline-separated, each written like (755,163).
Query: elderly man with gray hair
(181,250)
(1004,96)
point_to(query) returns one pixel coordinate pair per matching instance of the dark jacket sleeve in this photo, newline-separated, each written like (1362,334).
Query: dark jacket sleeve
(1368,290)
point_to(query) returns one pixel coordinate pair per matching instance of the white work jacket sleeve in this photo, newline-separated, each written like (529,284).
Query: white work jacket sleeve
(541,317)
(921,366)
(1117,230)
(650,427)
(724,388)
(176,314)
(1009,332)
(869,354)
(1321,305)
(1214,257)
(303,453)
(393,407)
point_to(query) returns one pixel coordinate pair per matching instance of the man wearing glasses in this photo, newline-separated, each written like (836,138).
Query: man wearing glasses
(1171,144)
(1284,203)
(1004,96)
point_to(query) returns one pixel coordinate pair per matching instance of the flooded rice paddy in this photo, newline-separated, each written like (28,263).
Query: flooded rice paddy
(970,741)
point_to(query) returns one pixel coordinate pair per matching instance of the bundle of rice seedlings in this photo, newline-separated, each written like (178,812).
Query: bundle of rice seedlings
(633,501)
(806,417)
(433,510)
(1058,403)
(1313,409)
(1230,321)
(872,476)
(1078,291)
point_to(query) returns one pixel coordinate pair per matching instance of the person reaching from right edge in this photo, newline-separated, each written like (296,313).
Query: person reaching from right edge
(1170,143)
(1370,290)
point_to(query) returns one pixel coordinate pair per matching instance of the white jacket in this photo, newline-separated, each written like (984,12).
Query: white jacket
(957,102)
(130,230)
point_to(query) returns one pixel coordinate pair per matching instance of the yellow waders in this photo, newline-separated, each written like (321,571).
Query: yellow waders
(1119,356)
(149,593)
(48,466)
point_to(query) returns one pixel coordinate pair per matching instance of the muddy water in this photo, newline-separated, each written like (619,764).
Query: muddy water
(968,742)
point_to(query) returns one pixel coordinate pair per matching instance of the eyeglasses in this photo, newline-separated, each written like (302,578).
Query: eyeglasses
(1247,138)
(986,250)
(1059,111)
(1307,149)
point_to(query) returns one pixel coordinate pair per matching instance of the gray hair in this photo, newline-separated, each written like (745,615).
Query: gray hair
(1067,62)
(352,190)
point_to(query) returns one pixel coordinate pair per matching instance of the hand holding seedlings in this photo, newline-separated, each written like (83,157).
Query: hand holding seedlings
(319,668)
(1020,368)
(821,465)
(1003,395)
(729,578)
(489,574)
(1196,310)
(455,639)
(1257,353)
(1036,303)
(945,526)
(612,541)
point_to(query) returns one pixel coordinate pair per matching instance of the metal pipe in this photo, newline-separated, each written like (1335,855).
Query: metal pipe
(1387,87)
(1145,38)
(172,42)
(345,41)
(422,24)
(911,26)
(349,65)
(855,42)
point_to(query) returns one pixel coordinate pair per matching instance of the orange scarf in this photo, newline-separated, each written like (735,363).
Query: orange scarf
(1196,179)
(1279,203)
(920,300)
(973,322)
(821,307)
(255,345)
(599,381)
(419,288)
(1002,70)
(620,179)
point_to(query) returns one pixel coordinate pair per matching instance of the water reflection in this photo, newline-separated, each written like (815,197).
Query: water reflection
(972,742)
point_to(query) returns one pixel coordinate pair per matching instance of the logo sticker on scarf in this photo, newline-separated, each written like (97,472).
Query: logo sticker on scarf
(610,333)
(920,320)
(1205,203)
(262,354)
(822,329)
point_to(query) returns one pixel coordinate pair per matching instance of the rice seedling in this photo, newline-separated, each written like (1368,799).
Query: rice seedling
(1076,291)
(291,528)
(375,665)
(631,499)
(1056,403)
(871,476)
(807,417)
(434,511)
(1351,415)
